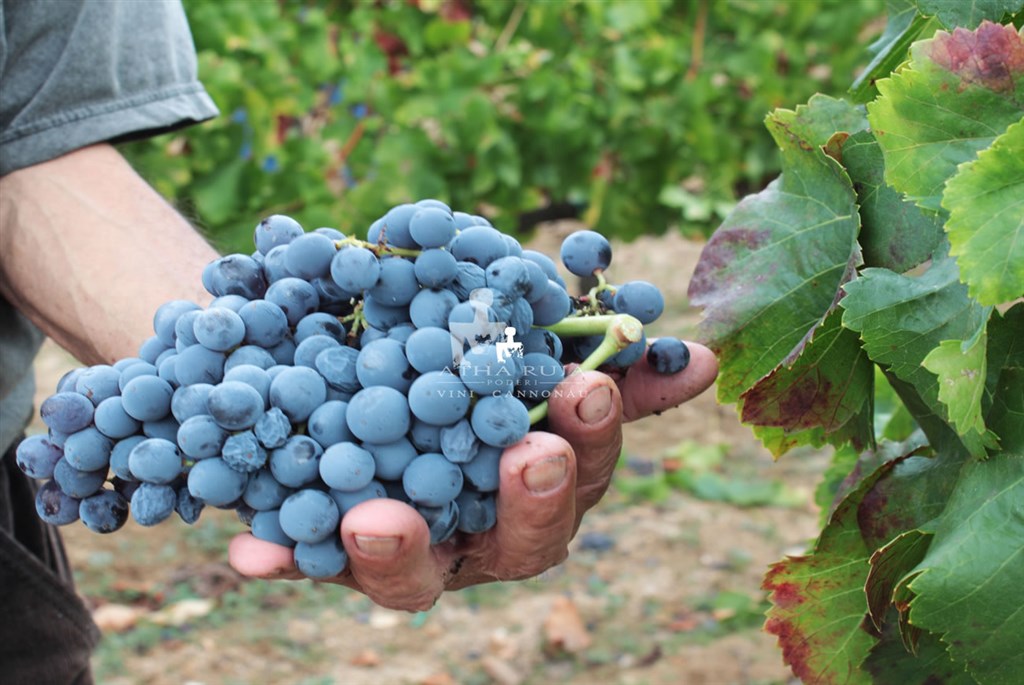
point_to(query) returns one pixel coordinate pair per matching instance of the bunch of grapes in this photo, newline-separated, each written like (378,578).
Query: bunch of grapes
(330,370)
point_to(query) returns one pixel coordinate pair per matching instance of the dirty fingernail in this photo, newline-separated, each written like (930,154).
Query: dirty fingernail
(596,405)
(545,475)
(376,546)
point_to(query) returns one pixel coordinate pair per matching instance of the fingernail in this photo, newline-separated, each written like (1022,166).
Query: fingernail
(546,475)
(376,546)
(596,405)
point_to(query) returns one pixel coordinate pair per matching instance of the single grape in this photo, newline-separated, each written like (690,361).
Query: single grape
(201,437)
(199,365)
(67,412)
(430,349)
(327,424)
(324,559)
(438,398)
(266,525)
(310,516)
(640,299)
(104,512)
(297,462)
(319,323)
(155,461)
(346,467)
(668,356)
(133,371)
(397,284)
(55,507)
(431,480)
(219,329)
(235,274)
(346,500)
(190,400)
(355,269)
(264,492)
(459,443)
(441,521)
(113,421)
(552,307)
(275,230)
(379,414)
(272,428)
(309,255)
(164,320)
(265,323)
(337,366)
(295,297)
(88,450)
(395,226)
(215,483)
(383,363)
(235,405)
(152,503)
(500,421)
(435,268)
(297,391)
(120,455)
(37,455)
(509,275)
(98,383)
(479,245)
(243,452)
(482,472)
(432,227)
(478,512)
(187,507)
(584,252)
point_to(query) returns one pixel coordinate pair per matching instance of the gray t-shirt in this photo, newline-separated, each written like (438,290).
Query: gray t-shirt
(74,73)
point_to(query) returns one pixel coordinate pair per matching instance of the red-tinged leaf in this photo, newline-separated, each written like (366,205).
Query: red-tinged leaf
(819,610)
(772,272)
(961,91)
(827,386)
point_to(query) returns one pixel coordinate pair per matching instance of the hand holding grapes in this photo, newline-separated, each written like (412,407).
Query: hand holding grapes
(548,481)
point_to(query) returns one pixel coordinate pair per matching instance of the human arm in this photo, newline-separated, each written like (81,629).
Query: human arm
(90,251)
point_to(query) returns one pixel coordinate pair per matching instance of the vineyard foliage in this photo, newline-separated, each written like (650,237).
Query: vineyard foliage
(870,298)
(638,114)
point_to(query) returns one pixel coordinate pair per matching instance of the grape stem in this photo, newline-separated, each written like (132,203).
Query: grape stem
(620,331)
(379,249)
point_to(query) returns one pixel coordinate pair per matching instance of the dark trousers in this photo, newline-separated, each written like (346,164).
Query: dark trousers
(46,633)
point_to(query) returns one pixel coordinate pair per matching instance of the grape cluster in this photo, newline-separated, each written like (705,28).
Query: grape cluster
(328,371)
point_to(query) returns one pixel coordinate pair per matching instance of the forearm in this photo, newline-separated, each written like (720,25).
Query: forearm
(88,251)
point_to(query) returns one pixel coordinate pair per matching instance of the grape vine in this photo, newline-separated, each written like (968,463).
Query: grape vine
(870,299)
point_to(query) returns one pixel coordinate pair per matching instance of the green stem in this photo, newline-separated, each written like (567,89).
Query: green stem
(620,331)
(377,249)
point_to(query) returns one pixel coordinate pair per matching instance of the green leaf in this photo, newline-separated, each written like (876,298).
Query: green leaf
(901,319)
(827,386)
(986,219)
(891,664)
(968,13)
(841,467)
(903,27)
(970,587)
(895,233)
(889,564)
(218,196)
(962,90)
(1004,389)
(771,273)
(961,375)
(819,607)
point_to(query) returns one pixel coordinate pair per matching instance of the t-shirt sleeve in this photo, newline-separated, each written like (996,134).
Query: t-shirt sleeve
(79,72)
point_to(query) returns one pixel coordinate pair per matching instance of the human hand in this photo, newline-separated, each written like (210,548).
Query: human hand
(548,481)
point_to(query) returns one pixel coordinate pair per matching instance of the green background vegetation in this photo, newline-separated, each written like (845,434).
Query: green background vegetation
(642,114)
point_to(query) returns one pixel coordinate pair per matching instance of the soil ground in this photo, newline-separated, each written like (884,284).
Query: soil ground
(662,586)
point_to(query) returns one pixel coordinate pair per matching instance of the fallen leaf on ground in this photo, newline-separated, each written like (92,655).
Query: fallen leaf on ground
(501,671)
(564,628)
(180,613)
(116,618)
(366,658)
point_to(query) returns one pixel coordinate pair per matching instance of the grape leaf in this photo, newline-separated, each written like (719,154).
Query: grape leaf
(827,386)
(891,664)
(969,585)
(962,90)
(902,28)
(895,233)
(968,13)
(901,319)
(819,607)
(961,375)
(889,564)
(1004,389)
(986,219)
(770,274)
